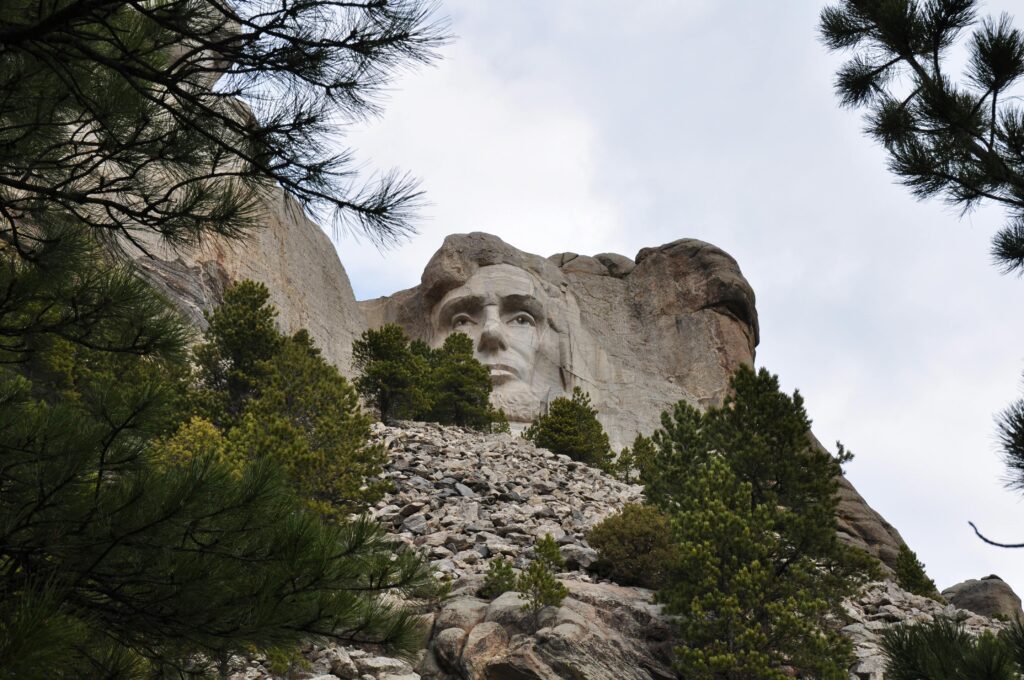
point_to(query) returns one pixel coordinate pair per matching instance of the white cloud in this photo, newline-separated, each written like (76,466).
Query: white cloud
(507,157)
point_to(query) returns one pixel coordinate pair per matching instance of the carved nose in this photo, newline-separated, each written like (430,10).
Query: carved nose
(492,337)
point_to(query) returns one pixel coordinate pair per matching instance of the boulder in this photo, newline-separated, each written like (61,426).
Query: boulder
(461,612)
(989,596)
(485,642)
(600,632)
(447,648)
(618,266)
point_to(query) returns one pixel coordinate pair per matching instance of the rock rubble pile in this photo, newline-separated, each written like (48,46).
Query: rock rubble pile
(881,605)
(464,497)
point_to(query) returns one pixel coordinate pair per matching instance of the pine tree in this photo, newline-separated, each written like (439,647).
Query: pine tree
(240,341)
(308,415)
(760,570)
(538,583)
(118,559)
(633,460)
(499,578)
(910,574)
(961,141)
(944,650)
(964,142)
(277,396)
(411,380)
(571,427)
(110,116)
(459,386)
(391,376)
(118,562)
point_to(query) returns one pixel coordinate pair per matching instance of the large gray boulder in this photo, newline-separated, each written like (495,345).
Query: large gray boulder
(601,631)
(989,596)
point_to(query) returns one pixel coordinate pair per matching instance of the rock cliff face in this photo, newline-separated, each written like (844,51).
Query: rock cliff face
(989,596)
(638,335)
(290,254)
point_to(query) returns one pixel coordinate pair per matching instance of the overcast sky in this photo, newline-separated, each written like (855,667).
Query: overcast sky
(587,126)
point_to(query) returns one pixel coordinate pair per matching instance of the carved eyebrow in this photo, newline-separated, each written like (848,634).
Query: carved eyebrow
(522,303)
(465,303)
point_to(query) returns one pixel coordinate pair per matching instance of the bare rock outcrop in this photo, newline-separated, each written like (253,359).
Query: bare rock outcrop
(287,252)
(638,335)
(861,526)
(989,596)
(880,606)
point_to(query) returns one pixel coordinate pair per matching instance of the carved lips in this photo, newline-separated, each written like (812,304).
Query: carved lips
(502,373)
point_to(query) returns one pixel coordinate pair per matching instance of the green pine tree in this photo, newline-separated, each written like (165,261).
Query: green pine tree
(963,141)
(546,550)
(944,650)
(570,427)
(459,386)
(538,583)
(760,570)
(391,376)
(499,579)
(277,396)
(411,380)
(910,574)
(240,341)
(167,153)
(632,460)
(118,562)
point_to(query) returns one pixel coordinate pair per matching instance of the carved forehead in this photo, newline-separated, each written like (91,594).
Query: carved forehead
(494,285)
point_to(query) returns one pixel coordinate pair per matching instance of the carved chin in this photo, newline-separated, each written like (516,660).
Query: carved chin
(517,400)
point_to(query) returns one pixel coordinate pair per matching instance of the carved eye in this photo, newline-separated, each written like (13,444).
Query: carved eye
(462,321)
(522,319)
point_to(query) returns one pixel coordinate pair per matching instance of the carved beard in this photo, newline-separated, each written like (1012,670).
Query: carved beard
(520,403)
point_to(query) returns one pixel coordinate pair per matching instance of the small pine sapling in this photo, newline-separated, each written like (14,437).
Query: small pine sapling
(546,550)
(538,583)
(499,578)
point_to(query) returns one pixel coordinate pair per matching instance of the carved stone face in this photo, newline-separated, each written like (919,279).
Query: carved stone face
(504,310)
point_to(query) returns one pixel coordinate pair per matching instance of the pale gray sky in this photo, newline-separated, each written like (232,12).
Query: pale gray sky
(597,126)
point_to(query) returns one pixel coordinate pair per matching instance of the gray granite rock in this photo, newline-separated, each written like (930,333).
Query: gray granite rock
(989,596)
(637,336)
(288,252)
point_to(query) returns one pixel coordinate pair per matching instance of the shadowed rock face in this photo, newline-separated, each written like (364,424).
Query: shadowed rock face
(288,253)
(637,335)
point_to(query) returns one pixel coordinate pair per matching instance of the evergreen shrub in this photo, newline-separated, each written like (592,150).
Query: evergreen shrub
(538,583)
(500,578)
(570,427)
(943,650)
(910,575)
(635,546)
